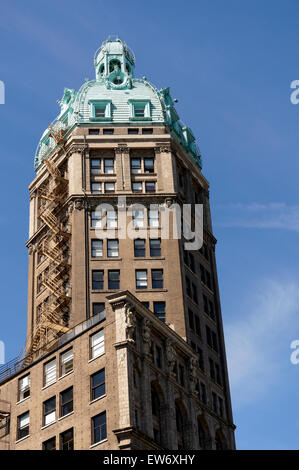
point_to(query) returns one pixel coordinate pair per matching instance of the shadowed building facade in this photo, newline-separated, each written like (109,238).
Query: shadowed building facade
(125,346)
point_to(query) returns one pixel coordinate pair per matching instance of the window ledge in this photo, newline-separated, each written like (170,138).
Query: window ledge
(94,358)
(95,119)
(22,439)
(48,425)
(22,401)
(140,118)
(49,385)
(97,399)
(136,258)
(97,443)
(65,416)
(66,375)
(101,258)
(151,290)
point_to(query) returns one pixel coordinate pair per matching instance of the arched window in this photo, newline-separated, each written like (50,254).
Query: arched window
(156,415)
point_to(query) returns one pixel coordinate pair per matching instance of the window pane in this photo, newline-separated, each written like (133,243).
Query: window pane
(96,219)
(100,111)
(141,279)
(96,248)
(137,187)
(95,166)
(67,440)
(109,166)
(139,110)
(153,217)
(109,187)
(98,384)
(150,187)
(96,188)
(135,165)
(50,444)
(111,217)
(97,344)
(66,400)
(155,247)
(148,165)
(159,310)
(157,278)
(97,280)
(139,248)
(99,427)
(67,362)
(138,219)
(113,279)
(23,425)
(50,372)
(112,248)
(24,387)
(49,411)
(98,307)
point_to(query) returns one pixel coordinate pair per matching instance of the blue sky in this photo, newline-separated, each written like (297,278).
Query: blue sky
(230,65)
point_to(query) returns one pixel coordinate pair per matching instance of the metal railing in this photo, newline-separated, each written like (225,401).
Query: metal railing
(17,364)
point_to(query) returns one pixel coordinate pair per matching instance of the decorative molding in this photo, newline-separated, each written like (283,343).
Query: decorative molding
(166,148)
(130,323)
(170,355)
(193,374)
(122,149)
(146,336)
(75,148)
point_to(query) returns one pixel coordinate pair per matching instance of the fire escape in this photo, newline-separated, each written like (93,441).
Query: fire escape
(4,424)
(53,316)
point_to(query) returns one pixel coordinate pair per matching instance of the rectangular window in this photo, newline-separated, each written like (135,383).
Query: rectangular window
(112,248)
(96,188)
(141,279)
(181,375)
(97,307)
(49,412)
(138,218)
(99,428)
(109,187)
(157,278)
(146,304)
(201,359)
(66,362)
(149,165)
(97,345)
(50,372)
(67,440)
(100,111)
(24,387)
(111,219)
(23,425)
(93,131)
(188,287)
(133,131)
(97,280)
(66,402)
(113,280)
(139,248)
(191,319)
(150,186)
(96,219)
(96,248)
(108,131)
(159,310)
(147,131)
(139,110)
(215,404)
(109,166)
(95,166)
(203,393)
(153,218)
(50,444)
(194,293)
(137,187)
(98,386)
(158,357)
(197,325)
(135,165)
(155,248)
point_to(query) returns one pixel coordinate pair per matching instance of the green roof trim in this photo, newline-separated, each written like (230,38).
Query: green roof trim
(117,90)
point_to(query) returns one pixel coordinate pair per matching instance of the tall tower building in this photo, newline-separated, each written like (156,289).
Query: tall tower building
(125,345)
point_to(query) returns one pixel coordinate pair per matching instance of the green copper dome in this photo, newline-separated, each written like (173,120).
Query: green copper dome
(115,97)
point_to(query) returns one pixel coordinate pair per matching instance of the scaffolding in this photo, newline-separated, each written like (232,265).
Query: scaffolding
(52,319)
